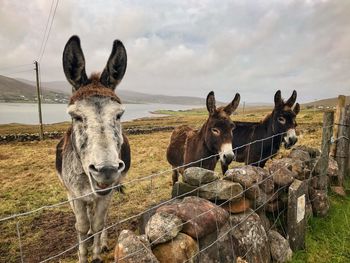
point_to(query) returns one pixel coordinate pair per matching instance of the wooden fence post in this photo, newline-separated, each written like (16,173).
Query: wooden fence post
(342,150)
(340,105)
(328,118)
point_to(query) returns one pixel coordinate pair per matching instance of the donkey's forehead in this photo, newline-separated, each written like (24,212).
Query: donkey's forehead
(287,108)
(95,104)
(221,114)
(287,111)
(93,90)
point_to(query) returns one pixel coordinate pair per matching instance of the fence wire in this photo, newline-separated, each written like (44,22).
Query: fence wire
(134,181)
(155,175)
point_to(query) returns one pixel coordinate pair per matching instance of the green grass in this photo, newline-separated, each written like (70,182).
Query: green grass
(328,239)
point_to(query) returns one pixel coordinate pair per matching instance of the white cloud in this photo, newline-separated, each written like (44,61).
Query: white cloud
(191,47)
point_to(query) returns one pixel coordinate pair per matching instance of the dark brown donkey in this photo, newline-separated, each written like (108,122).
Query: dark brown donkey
(279,126)
(187,146)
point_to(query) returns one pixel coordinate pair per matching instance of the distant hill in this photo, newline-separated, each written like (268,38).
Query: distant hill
(326,102)
(63,87)
(22,90)
(13,90)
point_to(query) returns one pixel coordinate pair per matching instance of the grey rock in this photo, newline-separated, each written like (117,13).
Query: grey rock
(264,220)
(280,249)
(274,206)
(163,227)
(248,177)
(301,155)
(221,190)
(251,239)
(182,248)
(197,176)
(320,202)
(333,168)
(296,166)
(313,152)
(201,217)
(150,211)
(266,184)
(181,189)
(133,249)
(316,183)
(217,247)
(282,176)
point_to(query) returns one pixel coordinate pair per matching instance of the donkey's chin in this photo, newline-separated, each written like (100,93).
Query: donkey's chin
(101,188)
(289,143)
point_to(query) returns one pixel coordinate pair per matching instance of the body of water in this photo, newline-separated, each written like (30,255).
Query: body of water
(27,113)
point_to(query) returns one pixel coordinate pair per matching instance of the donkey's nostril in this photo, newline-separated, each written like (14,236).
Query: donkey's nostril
(228,158)
(121,166)
(92,168)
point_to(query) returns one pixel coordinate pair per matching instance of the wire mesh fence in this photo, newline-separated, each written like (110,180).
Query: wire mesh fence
(152,180)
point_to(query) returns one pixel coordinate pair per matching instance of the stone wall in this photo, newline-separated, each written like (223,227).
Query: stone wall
(24,137)
(228,219)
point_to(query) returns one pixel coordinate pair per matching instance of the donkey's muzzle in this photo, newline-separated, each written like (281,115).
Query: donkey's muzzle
(290,139)
(228,158)
(106,173)
(290,142)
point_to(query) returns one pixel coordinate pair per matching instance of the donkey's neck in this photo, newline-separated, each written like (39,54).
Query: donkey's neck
(71,156)
(276,140)
(265,130)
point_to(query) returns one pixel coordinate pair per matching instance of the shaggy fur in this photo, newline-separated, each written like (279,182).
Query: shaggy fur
(94,155)
(187,145)
(280,120)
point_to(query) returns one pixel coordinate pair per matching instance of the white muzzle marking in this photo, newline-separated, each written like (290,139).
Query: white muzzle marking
(291,137)
(226,153)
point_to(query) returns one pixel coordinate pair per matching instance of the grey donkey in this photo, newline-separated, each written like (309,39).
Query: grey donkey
(94,155)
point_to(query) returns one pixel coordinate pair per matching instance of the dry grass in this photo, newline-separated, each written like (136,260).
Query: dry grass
(29,181)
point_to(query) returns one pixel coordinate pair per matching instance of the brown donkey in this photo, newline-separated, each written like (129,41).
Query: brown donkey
(94,154)
(276,128)
(213,138)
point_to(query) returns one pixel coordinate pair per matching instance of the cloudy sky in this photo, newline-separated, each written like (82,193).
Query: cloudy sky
(186,47)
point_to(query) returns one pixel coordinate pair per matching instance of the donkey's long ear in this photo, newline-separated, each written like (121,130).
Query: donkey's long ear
(278,99)
(74,63)
(230,108)
(296,109)
(290,102)
(211,102)
(116,66)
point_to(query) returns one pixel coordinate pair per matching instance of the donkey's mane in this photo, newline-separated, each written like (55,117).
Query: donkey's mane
(94,88)
(266,118)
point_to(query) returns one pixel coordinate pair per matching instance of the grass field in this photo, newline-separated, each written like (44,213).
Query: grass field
(28,181)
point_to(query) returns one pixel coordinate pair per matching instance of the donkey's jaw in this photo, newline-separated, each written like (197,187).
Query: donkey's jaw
(226,153)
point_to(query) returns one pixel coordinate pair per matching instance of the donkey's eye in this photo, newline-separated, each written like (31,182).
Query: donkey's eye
(282,120)
(77,118)
(215,131)
(119,115)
